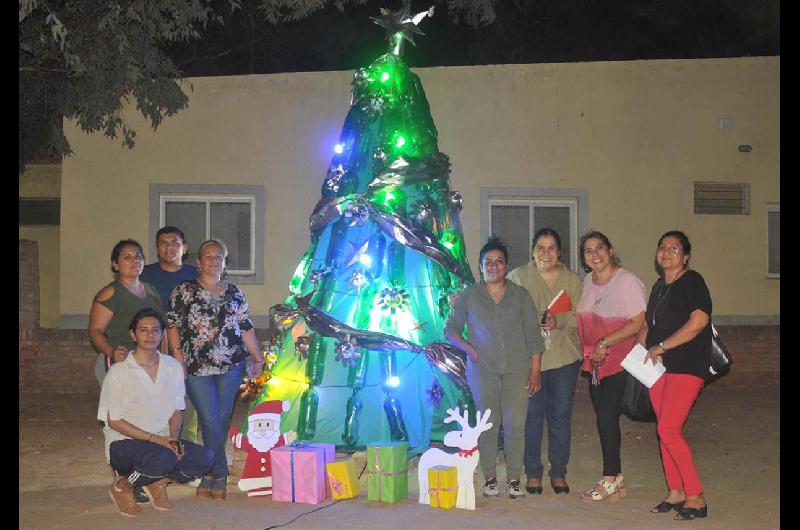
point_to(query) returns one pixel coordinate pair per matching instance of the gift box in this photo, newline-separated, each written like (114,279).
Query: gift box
(298,474)
(329,454)
(443,486)
(387,471)
(342,478)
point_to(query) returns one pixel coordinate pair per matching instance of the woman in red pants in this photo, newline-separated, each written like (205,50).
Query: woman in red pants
(678,334)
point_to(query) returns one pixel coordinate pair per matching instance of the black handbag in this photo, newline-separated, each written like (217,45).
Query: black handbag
(636,400)
(721,359)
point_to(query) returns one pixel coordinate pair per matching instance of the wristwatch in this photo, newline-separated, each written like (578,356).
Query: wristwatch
(603,342)
(661,345)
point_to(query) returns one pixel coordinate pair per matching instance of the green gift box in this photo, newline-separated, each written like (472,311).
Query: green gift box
(387,471)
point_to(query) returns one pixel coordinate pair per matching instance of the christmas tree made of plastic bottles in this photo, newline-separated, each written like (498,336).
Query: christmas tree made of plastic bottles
(357,347)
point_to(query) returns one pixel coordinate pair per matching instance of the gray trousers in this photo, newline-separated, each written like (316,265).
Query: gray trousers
(506,396)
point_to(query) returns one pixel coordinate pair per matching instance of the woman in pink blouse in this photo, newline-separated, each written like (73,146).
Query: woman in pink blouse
(610,313)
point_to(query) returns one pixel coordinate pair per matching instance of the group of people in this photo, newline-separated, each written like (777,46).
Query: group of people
(523,361)
(201,322)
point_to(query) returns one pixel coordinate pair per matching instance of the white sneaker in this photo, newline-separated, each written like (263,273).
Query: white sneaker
(514,489)
(490,488)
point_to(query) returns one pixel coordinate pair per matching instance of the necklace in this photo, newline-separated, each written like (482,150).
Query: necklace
(601,294)
(663,296)
(660,298)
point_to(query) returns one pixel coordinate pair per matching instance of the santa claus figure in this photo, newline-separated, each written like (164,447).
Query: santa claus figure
(263,433)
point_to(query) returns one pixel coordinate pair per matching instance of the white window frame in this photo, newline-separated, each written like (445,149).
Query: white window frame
(160,194)
(532,203)
(208,200)
(576,198)
(771,208)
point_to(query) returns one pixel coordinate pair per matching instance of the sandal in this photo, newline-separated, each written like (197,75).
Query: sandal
(687,514)
(666,506)
(612,491)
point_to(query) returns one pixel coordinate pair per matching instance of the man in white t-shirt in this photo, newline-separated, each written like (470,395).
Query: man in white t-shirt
(141,403)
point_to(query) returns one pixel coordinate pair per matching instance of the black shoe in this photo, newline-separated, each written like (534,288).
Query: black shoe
(687,514)
(665,506)
(533,490)
(559,489)
(140,496)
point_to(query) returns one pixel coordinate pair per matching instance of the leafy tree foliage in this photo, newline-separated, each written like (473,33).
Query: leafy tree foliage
(83,60)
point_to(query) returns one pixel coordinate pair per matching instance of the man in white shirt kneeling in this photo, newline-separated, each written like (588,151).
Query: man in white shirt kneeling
(141,403)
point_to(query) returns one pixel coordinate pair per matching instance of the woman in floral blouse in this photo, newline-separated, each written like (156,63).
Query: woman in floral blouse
(211,335)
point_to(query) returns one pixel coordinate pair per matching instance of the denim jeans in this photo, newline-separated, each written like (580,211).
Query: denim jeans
(144,462)
(554,402)
(213,397)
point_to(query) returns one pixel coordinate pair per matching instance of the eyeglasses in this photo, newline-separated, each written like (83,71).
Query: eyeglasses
(674,249)
(598,248)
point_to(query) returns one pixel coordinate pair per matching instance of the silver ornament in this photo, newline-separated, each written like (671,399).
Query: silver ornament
(456,200)
(301,346)
(424,210)
(358,280)
(318,275)
(356,214)
(347,352)
(334,177)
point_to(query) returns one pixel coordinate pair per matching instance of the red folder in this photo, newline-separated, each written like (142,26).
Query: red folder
(560,304)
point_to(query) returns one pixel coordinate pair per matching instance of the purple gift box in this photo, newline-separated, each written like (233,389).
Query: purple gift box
(298,474)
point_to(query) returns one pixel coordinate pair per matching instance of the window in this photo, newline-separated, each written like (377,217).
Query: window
(515,214)
(723,198)
(234,214)
(39,212)
(774,241)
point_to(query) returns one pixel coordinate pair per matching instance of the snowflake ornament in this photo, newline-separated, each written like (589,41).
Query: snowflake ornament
(393,298)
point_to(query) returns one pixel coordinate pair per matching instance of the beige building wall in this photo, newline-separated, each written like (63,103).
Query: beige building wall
(634,135)
(44,181)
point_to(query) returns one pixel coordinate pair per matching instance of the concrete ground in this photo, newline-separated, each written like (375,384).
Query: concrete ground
(733,431)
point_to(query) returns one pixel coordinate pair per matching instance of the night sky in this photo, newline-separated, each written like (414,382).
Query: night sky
(525,31)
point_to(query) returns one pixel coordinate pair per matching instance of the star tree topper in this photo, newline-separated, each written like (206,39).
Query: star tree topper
(401,23)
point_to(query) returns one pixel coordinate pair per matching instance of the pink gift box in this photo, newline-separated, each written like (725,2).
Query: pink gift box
(298,474)
(330,456)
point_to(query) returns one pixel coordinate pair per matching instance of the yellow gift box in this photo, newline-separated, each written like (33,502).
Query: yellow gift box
(342,478)
(443,486)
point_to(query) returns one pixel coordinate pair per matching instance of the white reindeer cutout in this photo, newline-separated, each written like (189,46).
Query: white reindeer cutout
(466,460)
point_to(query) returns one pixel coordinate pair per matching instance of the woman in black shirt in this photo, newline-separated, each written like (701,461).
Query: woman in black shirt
(678,334)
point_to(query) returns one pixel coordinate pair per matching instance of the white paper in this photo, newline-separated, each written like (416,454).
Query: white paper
(634,363)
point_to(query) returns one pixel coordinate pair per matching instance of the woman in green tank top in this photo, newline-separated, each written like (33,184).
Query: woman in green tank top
(116,303)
